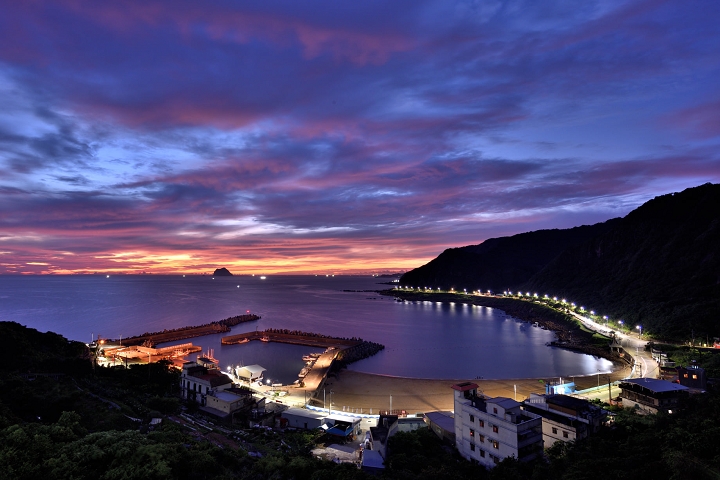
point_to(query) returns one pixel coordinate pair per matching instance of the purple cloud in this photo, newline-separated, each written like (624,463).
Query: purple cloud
(170,136)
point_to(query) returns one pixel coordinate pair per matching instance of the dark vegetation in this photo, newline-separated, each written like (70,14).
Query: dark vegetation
(61,418)
(499,263)
(659,266)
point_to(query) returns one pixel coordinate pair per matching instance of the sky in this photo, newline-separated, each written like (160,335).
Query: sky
(336,136)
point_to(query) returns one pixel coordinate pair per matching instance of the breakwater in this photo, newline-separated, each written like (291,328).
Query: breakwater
(292,336)
(349,349)
(356,353)
(175,334)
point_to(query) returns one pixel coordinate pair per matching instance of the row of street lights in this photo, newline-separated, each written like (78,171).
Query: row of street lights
(546,298)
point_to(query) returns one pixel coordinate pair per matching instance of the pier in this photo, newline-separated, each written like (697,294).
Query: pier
(182,333)
(300,338)
(338,351)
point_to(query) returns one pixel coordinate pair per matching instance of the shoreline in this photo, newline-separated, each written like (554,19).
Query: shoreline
(569,335)
(360,392)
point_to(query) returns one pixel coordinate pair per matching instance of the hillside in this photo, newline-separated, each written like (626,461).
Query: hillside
(499,263)
(658,266)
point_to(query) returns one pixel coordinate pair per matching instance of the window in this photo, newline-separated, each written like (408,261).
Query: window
(472,418)
(482,438)
(496,444)
(495,429)
(495,459)
(472,447)
(685,375)
(555,430)
(694,377)
(565,434)
(482,453)
(481,422)
(494,410)
(472,433)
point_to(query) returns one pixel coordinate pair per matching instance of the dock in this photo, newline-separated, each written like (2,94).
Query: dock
(307,339)
(182,333)
(337,350)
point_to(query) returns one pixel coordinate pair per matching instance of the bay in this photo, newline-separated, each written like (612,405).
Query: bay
(422,339)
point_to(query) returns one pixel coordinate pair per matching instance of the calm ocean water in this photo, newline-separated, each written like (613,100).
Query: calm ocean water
(422,339)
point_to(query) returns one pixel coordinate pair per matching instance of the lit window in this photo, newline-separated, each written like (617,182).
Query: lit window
(685,375)
(472,432)
(694,377)
(496,444)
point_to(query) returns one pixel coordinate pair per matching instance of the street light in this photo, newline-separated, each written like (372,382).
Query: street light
(639,327)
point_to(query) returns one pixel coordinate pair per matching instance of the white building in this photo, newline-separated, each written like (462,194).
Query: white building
(250,373)
(302,418)
(197,381)
(565,418)
(487,430)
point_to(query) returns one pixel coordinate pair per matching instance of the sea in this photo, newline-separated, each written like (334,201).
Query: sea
(422,339)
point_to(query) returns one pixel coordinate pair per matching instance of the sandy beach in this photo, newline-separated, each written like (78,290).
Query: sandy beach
(355,391)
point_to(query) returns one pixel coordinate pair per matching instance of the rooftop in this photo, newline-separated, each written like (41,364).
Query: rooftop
(465,386)
(445,420)
(227,396)
(655,385)
(504,402)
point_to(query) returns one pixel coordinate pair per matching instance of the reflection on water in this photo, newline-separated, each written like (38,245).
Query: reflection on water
(422,339)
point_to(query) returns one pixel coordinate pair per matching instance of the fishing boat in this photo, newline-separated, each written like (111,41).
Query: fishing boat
(208,360)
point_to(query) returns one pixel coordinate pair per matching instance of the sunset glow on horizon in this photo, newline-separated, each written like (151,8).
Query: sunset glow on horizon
(338,137)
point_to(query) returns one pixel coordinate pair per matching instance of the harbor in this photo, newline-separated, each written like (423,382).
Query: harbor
(182,333)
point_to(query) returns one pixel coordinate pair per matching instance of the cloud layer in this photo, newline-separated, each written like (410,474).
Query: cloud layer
(329,136)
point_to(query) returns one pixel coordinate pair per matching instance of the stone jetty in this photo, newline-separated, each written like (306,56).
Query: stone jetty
(175,334)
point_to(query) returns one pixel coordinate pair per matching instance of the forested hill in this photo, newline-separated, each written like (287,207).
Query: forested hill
(500,263)
(658,267)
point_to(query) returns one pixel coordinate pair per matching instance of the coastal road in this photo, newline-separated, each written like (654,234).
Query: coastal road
(645,366)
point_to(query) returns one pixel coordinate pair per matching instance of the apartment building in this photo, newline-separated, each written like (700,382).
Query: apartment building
(489,429)
(565,418)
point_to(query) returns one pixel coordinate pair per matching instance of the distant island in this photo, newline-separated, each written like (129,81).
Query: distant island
(222,272)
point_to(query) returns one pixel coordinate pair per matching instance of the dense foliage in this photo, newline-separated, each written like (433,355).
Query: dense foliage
(659,267)
(499,263)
